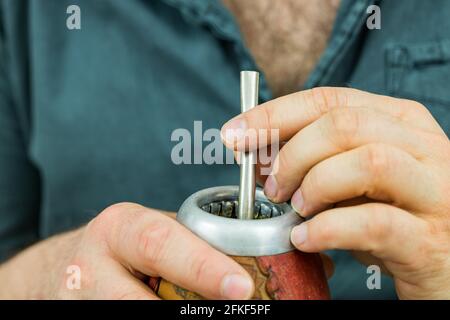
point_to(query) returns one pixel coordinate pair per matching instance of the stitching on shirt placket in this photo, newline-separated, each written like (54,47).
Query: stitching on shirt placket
(341,40)
(397,61)
(212,14)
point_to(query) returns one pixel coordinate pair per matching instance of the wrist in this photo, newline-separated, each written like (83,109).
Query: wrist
(37,272)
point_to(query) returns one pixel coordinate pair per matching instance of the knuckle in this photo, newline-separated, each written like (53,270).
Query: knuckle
(406,109)
(200,266)
(439,228)
(120,207)
(380,225)
(152,241)
(109,218)
(324,234)
(324,99)
(418,108)
(341,126)
(377,160)
(271,118)
(313,182)
(315,100)
(112,213)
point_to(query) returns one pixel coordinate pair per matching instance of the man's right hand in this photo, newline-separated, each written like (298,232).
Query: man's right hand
(114,253)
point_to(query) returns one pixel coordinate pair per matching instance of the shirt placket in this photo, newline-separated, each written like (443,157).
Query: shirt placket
(350,24)
(213,15)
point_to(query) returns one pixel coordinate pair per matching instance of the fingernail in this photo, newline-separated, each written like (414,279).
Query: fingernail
(299,234)
(234,130)
(298,203)
(237,287)
(271,187)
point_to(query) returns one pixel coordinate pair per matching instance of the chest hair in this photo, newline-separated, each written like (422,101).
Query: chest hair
(286,37)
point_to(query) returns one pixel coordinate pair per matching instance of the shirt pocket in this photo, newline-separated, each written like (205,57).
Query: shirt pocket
(421,72)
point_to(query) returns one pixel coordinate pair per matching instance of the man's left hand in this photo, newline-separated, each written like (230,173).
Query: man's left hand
(373,172)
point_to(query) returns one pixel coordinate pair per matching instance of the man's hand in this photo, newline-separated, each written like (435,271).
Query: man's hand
(114,252)
(373,172)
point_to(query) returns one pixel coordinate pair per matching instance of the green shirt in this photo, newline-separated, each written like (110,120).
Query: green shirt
(86,115)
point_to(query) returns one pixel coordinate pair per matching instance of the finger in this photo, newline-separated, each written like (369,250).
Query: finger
(377,171)
(291,113)
(387,232)
(337,131)
(265,162)
(157,245)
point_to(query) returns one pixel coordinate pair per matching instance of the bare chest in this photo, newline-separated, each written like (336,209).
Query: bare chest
(286,37)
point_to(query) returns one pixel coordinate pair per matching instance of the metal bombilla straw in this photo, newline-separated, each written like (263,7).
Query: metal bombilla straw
(249,99)
(240,220)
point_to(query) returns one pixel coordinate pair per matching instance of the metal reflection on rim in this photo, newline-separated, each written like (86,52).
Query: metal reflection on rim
(268,234)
